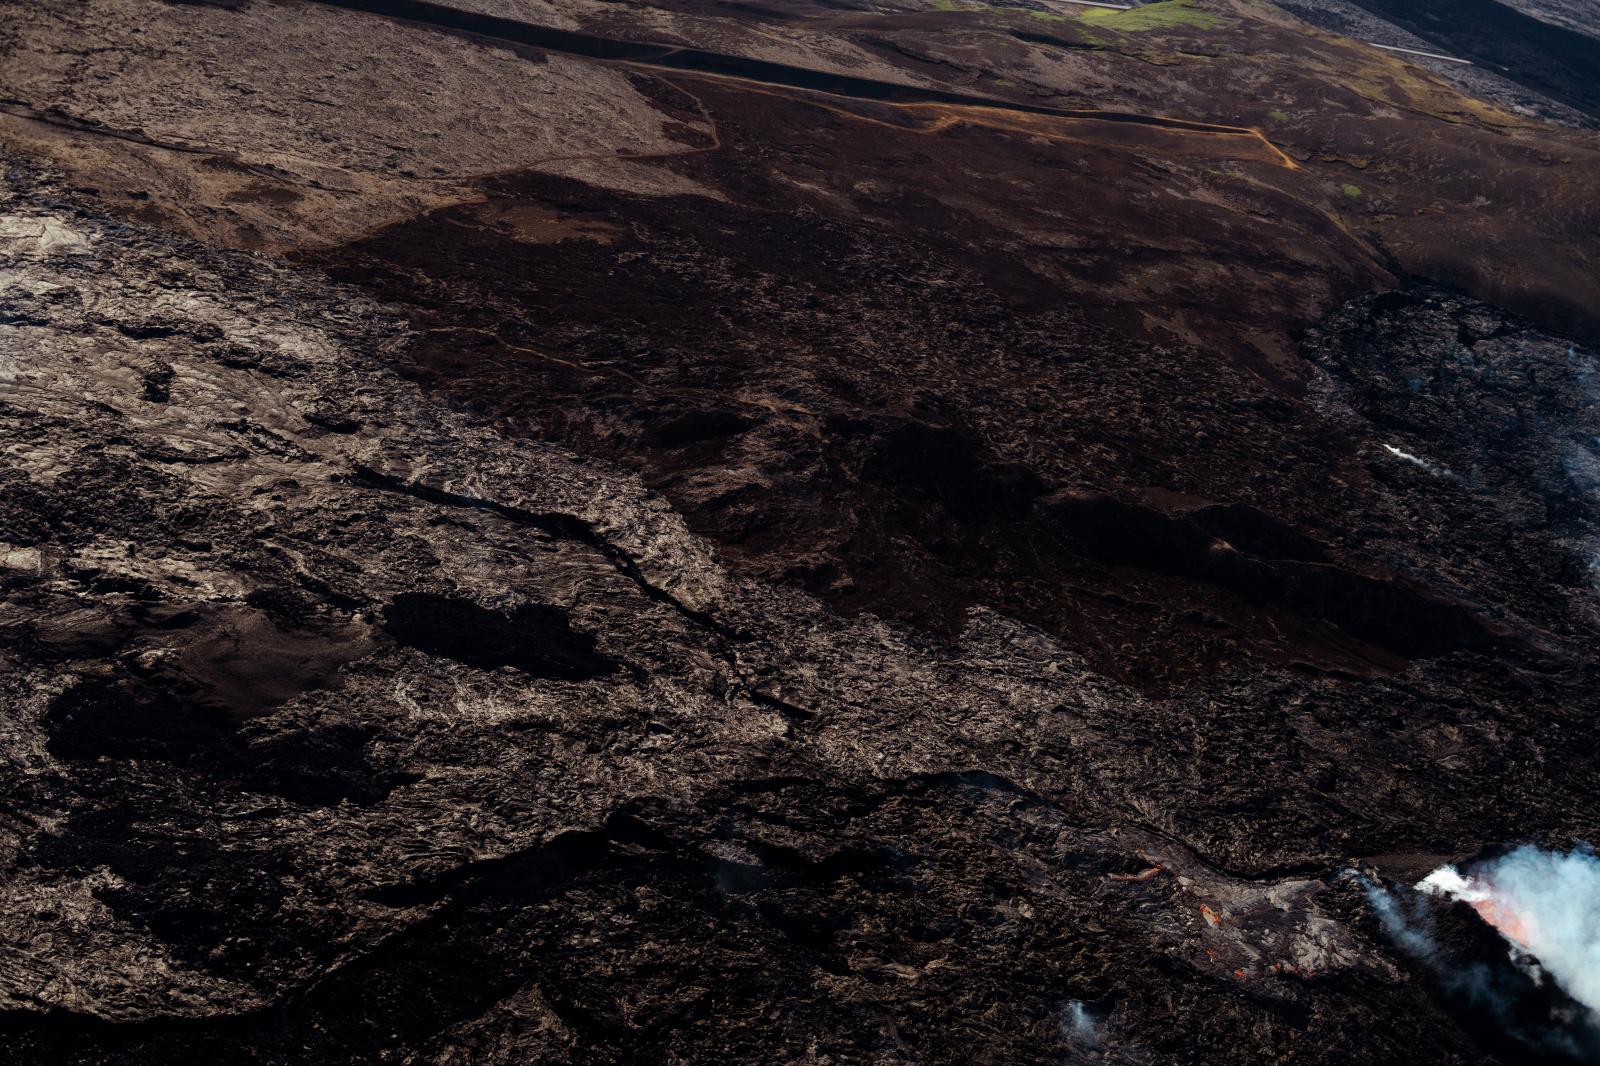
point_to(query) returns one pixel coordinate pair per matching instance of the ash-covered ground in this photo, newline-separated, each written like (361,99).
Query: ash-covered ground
(517,552)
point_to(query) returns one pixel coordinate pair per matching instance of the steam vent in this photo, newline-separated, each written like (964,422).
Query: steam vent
(832,532)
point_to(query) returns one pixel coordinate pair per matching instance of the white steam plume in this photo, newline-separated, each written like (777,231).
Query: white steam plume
(1546,904)
(1417,460)
(1080,1026)
(1494,991)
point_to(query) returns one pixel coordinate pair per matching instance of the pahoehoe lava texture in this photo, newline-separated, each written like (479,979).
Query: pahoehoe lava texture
(516,555)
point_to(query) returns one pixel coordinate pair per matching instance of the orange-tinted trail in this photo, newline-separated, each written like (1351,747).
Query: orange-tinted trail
(1170,136)
(946,106)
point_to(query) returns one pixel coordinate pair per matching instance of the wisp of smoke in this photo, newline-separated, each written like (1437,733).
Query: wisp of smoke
(1416,460)
(1405,930)
(1080,1025)
(1546,903)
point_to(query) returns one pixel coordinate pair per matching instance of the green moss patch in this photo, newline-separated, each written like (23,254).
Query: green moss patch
(1166,15)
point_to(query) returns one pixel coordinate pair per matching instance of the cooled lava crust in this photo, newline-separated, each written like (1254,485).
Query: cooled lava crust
(552,530)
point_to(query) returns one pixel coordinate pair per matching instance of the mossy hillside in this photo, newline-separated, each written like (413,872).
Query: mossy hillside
(1169,14)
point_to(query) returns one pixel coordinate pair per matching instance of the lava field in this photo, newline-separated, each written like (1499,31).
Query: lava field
(835,531)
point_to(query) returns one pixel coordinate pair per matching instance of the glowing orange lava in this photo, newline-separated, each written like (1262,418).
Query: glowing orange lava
(1516,927)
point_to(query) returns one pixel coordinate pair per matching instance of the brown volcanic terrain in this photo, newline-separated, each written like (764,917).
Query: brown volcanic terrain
(989,461)
(520,545)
